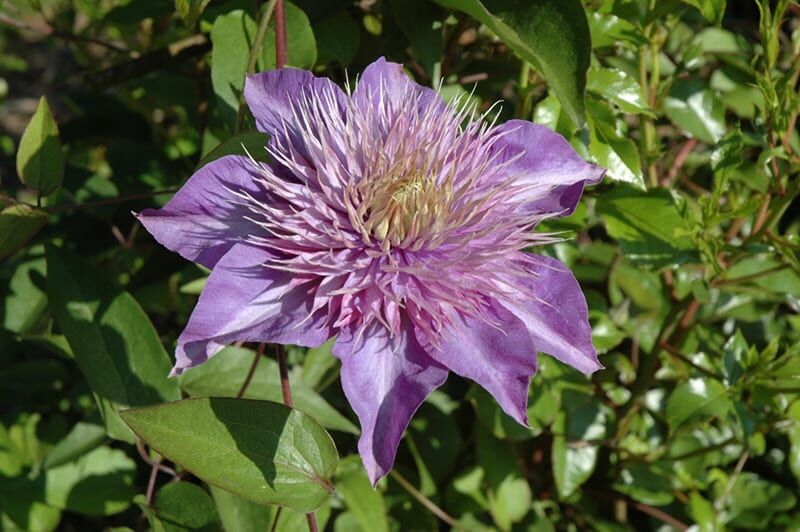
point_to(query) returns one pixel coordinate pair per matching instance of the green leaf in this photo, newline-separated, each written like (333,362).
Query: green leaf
(18,224)
(552,35)
(83,438)
(510,502)
(190,10)
(361,499)
(695,398)
(98,483)
(646,484)
(232,37)
(712,10)
(26,301)
(338,38)
(40,160)
(181,506)
(24,514)
(753,501)
(619,87)
(693,107)
(263,451)
(223,375)
(241,515)
(422,26)
(251,143)
(611,147)
(645,225)
(609,30)
(112,339)
(574,458)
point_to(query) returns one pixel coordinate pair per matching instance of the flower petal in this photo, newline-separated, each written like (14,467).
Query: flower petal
(552,306)
(547,161)
(203,220)
(501,359)
(244,300)
(270,96)
(385,380)
(383,78)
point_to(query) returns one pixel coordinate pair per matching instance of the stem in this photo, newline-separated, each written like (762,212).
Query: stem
(287,400)
(426,502)
(523,106)
(251,372)
(111,201)
(274,526)
(280,35)
(258,42)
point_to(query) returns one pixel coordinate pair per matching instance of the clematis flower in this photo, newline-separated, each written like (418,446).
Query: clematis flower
(396,223)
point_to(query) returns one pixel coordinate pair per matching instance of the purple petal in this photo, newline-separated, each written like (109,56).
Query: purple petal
(552,306)
(546,161)
(270,96)
(385,380)
(244,300)
(385,78)
(501,359)
(203,220)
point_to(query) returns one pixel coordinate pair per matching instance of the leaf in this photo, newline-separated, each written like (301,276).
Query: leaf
(252,143)
(712,10)
(338,38)
(552,35)
(241,515)
(510,502)
(181,506)
(608,30)
(223,375)
(263,451)
(611,147)
(232,37)
(646,484)
(27,515)
(112,339)
(26,301)
(700,397)
(40,160)
(361,499)
(18,224)
(645,225)
(574,459)
(693,107)
(421,23)
(97,484)
(619,87)
(83,438)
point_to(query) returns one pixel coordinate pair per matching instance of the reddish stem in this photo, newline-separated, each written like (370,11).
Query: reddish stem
(285,388)
(280,35)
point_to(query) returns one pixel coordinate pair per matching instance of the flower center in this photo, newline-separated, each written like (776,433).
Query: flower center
(404,207)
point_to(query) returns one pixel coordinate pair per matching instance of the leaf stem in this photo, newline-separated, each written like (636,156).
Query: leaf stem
(426,502)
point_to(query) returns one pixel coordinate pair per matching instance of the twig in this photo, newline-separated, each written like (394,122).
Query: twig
(720,503)
(251,372)
(143,454)
(679,161)
(660,515)
(425,501)
(280,35)
(274,526)
(258,42)
(284,371)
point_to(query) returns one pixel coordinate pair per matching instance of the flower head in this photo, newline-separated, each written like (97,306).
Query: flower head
(396,223)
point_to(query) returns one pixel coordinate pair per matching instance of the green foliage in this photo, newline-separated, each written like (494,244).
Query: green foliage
(263,451)
(687,253)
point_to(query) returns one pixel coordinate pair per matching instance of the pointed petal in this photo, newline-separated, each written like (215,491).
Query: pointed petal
(203,220)
(548,162)
(389,79)
(244,300)
(270,96)
(501,359)
(385,380)
(552,306)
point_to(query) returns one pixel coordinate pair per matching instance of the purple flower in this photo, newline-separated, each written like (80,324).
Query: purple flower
(396,223)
